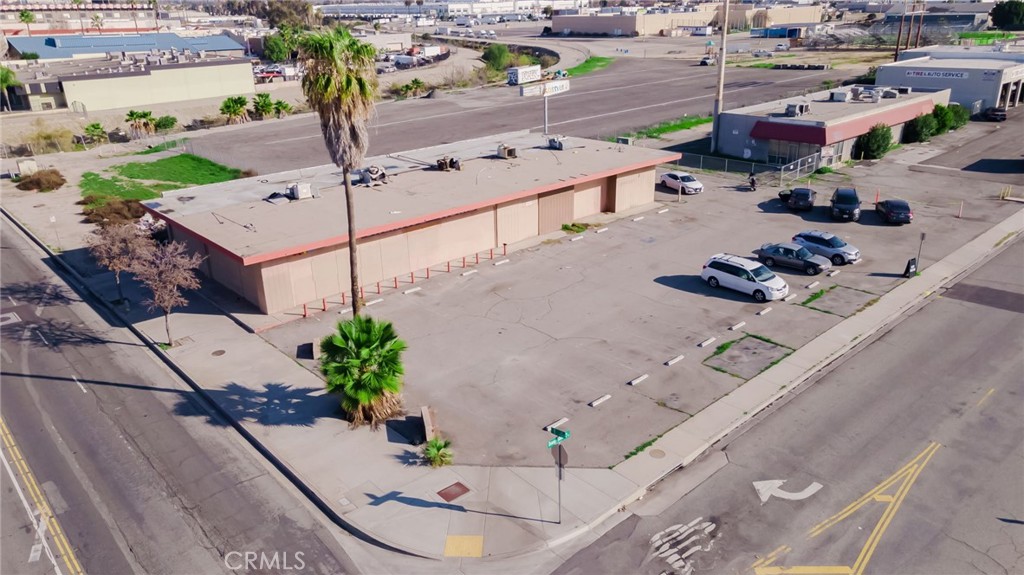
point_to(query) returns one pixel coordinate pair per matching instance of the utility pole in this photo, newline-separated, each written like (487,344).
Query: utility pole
(899,35)
(920,24)
(720,93)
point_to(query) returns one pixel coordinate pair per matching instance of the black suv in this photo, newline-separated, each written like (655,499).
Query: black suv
(845,204)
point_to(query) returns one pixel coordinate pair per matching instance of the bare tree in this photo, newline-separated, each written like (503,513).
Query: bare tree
(167,271)
(119,248)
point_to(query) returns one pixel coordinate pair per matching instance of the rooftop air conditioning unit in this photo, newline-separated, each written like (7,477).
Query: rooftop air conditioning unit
(506,152)
(905,89)
(890,94)
(300,191)
(855,92)
(556,143)
(840,96)
(624,140)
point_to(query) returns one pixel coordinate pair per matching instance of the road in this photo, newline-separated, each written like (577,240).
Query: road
(138,478)
(629,94)
(907,458)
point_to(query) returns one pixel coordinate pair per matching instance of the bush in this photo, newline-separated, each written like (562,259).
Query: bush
(920,129)
(43,181)
(111,211)
(497,56)
(943,119)
(165,123)
(29,56)
(874,144)
(438,452)
(961,116)
(548,61)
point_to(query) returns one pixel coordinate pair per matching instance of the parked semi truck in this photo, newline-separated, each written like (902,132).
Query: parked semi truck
(523,75)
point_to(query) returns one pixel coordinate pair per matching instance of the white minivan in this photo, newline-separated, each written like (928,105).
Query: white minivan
(744,275)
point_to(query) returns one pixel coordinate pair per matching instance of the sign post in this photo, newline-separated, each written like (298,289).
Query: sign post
(545,89)
(919,246)
(561,458)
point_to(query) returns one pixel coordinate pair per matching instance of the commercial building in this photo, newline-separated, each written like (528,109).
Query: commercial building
(279,249)
(823,124)
(655,23)
(75,46)
(975,83)
(92,85)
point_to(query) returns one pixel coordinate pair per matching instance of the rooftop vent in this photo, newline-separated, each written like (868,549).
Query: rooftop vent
(300,191)
(556,143)
(842,96)
(374,174)
(506,152)
(446,164)
(624,140)
(794,110)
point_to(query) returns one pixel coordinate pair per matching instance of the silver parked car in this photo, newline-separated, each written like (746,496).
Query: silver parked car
(794,256)
(682,182)
(829,245)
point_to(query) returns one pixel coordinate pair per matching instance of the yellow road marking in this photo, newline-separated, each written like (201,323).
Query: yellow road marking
(464,546)
(771,557)
(36,493)
(982,400)
(903,479)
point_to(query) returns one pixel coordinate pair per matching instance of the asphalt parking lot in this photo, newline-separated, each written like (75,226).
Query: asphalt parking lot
(503,352)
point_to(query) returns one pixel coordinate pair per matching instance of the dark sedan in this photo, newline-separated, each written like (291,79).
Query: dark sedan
(894,211)
(792,255)
(798,198)
(845,204)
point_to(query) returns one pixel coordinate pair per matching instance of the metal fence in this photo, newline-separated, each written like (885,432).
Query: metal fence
(782,174)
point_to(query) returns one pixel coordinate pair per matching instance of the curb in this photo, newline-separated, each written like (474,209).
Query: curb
(79,284)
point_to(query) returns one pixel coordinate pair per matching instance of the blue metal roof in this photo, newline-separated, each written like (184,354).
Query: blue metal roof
(49,47)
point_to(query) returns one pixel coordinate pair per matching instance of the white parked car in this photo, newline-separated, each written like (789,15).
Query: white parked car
(682,182)
(781,47)
(745,276)
(762,53)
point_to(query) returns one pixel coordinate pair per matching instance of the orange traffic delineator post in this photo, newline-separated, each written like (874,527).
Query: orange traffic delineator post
(960,214)
(378,288)
(325,304)
(876,196)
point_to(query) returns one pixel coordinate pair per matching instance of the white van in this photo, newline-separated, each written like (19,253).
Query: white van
(745,276)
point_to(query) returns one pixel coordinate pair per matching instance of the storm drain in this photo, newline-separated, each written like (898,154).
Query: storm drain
(453,491)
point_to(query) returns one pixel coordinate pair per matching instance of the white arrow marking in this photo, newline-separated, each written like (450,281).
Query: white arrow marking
(765,490)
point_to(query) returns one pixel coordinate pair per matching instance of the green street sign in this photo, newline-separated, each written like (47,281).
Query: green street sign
(555,441)
(559,433)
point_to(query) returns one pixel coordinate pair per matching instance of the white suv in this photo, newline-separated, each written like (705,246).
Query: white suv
(745,276)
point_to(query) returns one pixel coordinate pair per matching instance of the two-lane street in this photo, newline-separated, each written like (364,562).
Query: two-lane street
(138,476)
(907,458)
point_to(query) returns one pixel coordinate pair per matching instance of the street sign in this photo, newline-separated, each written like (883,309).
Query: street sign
(552,88)
(555,441)
(559,433)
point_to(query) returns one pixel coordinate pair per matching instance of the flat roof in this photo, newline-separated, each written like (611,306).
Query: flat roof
(825,111)
(72,45)
(973,64)
(29,72)
(235,216)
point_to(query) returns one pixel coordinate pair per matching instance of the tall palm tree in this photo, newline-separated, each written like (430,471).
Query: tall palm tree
(8,79)
(340,83)
(363,363)
(78,6)
(135,14)
(97,22)
(26,18)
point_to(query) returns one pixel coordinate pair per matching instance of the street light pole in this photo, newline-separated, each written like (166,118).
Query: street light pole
(720,93)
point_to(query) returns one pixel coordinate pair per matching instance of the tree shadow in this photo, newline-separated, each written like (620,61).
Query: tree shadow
(277,404)
(409,457)
(996,166)
(56,333)
(42,293)
(398,497)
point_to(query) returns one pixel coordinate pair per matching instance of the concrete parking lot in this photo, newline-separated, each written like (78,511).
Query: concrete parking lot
(503,352)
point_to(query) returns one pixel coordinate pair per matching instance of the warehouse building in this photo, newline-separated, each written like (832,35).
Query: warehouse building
(976,83)
(76,46)
(280,241)
(824,123)
(741,16)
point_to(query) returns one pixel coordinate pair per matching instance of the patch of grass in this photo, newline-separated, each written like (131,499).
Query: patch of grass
(640,448)
(767,340)
(766,65)
(163,346)
(823,310)
(678,125)
(774,363)
(824,170)
(813,297)
(1003,239)
(100,189)
(592,64)
(985,38)
(724,347)
(162,147)
(575,228)
(182,169)
(867,305)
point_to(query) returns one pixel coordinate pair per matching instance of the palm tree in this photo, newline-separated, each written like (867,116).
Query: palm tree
(26,18)
(282,108)
(234,109)
(140,122)
(78,6)
(408,3)
(8,79)
(416,86)
(262,105)
(97,22)
(363,363)
(340,83)
(135,14)
(419,7)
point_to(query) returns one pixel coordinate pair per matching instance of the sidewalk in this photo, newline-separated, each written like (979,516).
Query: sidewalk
(374,481)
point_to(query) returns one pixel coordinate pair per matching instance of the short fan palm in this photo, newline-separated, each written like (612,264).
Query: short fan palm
(362,363)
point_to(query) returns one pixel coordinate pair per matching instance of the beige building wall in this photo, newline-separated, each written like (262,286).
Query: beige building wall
(47,101)
(741,16)
(517,221)
(587,199)
(634,189)
(555,209)
(160,85)
(620,24)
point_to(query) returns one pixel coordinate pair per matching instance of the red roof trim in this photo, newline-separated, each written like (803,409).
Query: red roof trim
(766,130)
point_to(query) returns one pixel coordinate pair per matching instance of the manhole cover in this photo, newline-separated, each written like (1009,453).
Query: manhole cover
(453,492)
(218,353)
(657,453)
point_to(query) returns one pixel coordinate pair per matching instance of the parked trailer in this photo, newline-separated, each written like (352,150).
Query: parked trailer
(523,75)
(443,31)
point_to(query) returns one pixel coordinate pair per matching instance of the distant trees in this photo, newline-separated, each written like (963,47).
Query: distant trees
(274,49)
(97,22)
(27,18)
(1008,15)
(7,80)
(140,122)
(496,56)
(168,270)
(941,120)
(873,144)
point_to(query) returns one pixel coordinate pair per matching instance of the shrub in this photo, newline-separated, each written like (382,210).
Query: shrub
(96,132)
(824,170)
(920,129)
(497,56)
(43,181)
(943,119)
(165,123)
(548,61)
(875,143)
(438,452)
(44,139)
(29,56)
(111,211)
(961,116)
